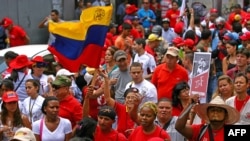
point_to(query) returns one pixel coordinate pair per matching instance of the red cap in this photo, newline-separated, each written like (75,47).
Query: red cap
(10,96)
(6,22)
(20,61)
(177,41)
(245,36)
(189,43)
(38,59)
(213,10)
(131,9)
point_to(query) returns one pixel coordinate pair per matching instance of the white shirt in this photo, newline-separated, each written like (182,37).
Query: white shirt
(244,113)
(63,128)
(169,35)
(33,106)
(147,61)
(146,89)
(173,133)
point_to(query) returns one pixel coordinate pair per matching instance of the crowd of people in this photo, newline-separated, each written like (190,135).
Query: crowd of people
(142,89)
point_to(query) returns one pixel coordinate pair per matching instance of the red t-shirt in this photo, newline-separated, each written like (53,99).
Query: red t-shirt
(231,16)
(124,121)
(71,109)
(139,135)
(94,104)
(17,36)
(218,134)
(239,104)
(172,15)
(176,111)
(164,80)
(111,136)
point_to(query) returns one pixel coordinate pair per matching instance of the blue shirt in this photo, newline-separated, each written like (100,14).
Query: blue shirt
(145,16)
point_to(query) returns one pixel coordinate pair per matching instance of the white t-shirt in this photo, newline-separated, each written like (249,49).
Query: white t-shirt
(58,134)
(147,61)
(146,89)
(35,106)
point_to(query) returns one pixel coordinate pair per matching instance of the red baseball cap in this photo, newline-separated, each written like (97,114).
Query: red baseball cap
(189,43)
(213,10)
(6,22)
(10,96)
(245,36)
(177,41)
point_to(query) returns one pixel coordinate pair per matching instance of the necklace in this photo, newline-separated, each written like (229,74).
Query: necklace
(31,108)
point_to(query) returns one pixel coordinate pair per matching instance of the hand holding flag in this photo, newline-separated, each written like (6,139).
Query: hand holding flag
(81,42)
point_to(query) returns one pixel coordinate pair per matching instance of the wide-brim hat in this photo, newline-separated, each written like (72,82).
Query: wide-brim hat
(20,61)
(233,114)
(131,9)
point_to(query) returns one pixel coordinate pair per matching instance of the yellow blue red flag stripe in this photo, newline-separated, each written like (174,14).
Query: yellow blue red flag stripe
(81,42)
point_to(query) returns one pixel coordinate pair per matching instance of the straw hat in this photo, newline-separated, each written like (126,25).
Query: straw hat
(233,114)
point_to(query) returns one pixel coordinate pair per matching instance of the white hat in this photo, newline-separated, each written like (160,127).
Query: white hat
(88,77)
(233,114)
(64,72)
(24,134)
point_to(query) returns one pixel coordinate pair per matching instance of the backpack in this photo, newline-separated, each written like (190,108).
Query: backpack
(199,9)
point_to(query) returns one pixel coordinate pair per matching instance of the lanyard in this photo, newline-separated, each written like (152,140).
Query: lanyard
(31,108)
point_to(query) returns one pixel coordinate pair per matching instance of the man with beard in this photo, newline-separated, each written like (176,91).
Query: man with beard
(167,32)
(216,114)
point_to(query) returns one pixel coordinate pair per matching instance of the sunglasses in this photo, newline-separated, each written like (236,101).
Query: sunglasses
(57,87)
(40,65)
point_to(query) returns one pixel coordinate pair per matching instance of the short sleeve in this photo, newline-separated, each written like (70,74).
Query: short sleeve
(36,127)
(67,126)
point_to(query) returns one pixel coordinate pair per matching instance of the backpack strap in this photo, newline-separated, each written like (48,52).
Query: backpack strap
(202,132)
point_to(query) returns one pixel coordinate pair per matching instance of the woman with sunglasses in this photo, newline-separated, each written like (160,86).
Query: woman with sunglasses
(37,72)
(32,105)
(52,127)
(11,117)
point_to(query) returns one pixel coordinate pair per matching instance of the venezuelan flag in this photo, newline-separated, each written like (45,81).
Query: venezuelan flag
(81,42)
